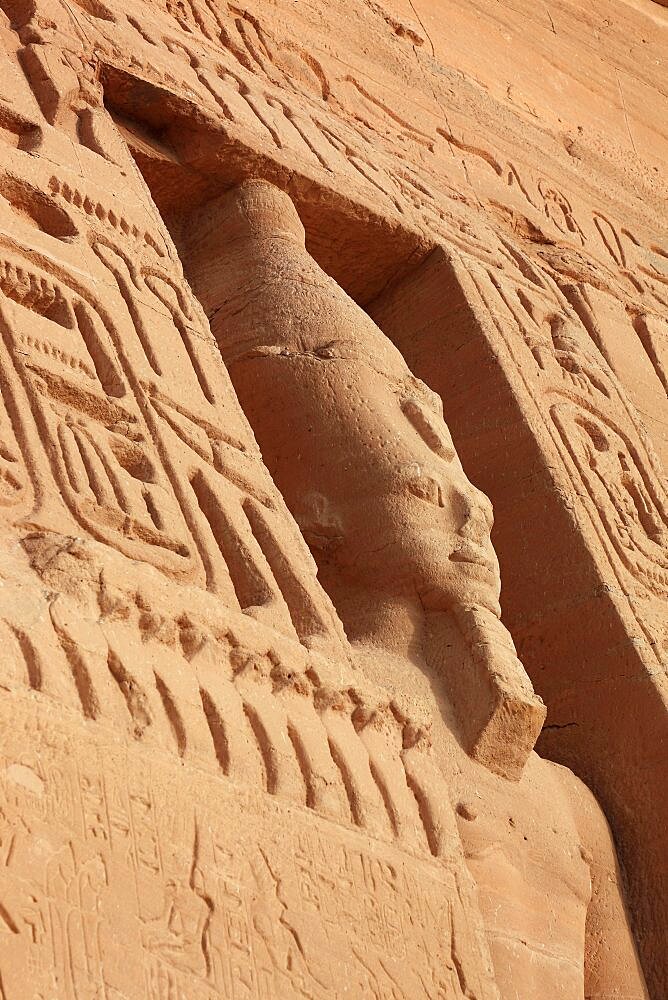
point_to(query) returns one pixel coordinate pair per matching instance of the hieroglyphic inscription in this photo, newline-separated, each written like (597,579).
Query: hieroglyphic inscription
(100,451)
(217,690)
(129,412)
(312,112)
(215,913)
(317,114)
(593,424)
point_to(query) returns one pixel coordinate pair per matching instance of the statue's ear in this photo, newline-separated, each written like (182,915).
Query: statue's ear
(319,522)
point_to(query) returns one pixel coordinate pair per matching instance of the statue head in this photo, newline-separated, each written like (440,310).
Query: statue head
(357,444)
(394,511)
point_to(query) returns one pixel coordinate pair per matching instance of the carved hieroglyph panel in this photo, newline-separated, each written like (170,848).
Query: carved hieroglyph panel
(121,421)
(124,876)
(605,450)
(168,669)
(246,73)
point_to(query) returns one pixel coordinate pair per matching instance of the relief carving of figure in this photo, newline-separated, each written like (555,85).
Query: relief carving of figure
(360,451)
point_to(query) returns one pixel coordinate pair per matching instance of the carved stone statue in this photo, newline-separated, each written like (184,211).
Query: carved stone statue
(358,447)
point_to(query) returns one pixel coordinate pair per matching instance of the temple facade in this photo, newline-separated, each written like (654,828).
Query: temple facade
(333,512)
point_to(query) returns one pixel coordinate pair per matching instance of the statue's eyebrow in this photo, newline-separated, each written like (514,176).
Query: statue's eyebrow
(425,425)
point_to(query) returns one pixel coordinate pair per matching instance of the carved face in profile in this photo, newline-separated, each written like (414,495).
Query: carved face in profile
(389,504)
(355,443)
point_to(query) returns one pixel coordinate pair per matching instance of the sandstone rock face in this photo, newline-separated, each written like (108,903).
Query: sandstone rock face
(279,283)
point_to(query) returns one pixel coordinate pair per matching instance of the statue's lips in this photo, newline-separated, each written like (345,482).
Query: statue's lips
(474,580)
(474,555)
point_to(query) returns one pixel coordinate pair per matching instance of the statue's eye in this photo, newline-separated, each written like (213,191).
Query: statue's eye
(426,488)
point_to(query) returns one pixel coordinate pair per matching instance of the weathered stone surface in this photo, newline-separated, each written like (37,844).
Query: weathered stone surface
(268,717)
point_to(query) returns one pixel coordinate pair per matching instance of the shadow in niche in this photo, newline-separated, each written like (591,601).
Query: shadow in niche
(188,157)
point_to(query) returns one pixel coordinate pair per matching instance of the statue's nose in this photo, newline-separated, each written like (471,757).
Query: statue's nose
(478,514)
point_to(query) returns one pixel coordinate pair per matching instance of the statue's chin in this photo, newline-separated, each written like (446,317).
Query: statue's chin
(473,585)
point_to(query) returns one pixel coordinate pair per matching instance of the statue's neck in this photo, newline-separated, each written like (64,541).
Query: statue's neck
(378,618)
(396,623)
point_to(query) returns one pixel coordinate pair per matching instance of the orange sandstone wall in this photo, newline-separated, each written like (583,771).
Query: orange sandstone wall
(254,744)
